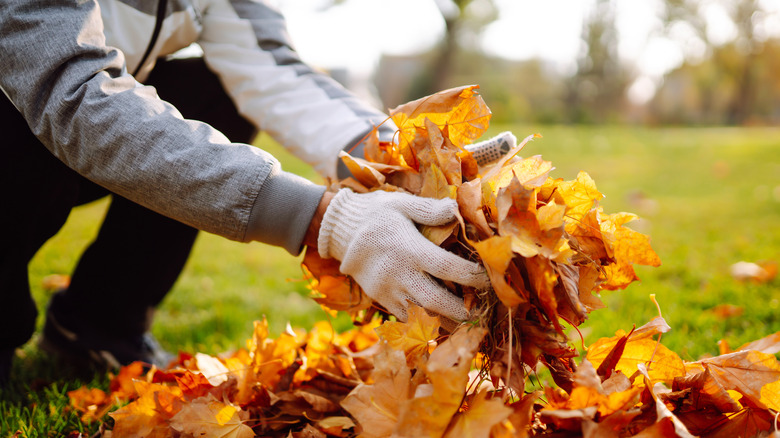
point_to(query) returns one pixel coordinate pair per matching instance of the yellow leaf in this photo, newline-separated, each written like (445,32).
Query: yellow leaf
(460,110)
(665,365)
(413,337)
(482,414)
(531,172)
(435,184)
(496,254)
(579,195)
(207,416)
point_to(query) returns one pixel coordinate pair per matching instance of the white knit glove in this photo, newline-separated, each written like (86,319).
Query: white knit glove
(375,238)
(490,151)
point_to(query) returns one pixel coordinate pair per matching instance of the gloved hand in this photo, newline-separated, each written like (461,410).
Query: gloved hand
(490,151)
(375,238)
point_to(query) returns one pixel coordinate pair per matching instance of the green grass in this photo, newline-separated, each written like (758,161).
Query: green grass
(712,199)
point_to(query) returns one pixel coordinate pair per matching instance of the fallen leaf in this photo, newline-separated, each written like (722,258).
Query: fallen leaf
(207,416)
(481,415)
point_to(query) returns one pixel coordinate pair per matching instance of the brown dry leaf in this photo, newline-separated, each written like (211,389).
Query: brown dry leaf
(431,410)
(413,337)
(748,422)
(666,420)
(376,406)
(705,392)
(768,344)
(469,198)
(207,416)
(748,372)
(362,171)
(496,254)
(588,392)
(481,415)
(725,311)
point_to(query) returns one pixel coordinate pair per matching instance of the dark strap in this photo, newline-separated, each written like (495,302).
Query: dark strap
(161,6)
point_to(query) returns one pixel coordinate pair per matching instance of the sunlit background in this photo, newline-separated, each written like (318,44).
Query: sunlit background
(559,60)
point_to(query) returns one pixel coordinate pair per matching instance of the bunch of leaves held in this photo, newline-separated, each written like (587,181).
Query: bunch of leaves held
(546,243)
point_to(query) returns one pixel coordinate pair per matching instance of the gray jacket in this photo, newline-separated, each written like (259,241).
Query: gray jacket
(64,65)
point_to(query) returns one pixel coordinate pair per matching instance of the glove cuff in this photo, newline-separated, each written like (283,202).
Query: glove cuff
(338,225)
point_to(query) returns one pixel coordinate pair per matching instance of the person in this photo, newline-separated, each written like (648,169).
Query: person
(94,104)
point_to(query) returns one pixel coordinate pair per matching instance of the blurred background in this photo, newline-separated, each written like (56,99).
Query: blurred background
(556,61)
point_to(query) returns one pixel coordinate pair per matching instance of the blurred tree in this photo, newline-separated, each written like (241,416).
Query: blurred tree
(596,91)
(739,59)
(464,20)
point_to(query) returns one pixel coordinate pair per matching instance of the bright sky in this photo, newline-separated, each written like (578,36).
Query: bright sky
(355,33)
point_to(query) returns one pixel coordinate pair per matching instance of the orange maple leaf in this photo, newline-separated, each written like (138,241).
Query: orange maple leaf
(460,110)
(414,337)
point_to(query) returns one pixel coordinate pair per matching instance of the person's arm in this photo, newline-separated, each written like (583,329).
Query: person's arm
(247,45)
(78,99)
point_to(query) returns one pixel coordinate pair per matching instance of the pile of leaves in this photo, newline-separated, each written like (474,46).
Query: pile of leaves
(547,245)
(403,379)
(548,248)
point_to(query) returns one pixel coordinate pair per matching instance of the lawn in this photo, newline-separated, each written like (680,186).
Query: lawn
(708,197)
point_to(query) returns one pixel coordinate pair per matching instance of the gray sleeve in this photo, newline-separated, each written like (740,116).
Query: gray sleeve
(80,102)
(245,42)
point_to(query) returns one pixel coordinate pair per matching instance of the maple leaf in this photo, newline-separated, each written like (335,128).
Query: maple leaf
(627,247)
(665,365)
(460,110)
(588,392)
(579,196)
(431,410)
(748,372)
(377,406)
(481,415)
(207,416)
(666,420)
(148,415)
(413,337)
(121,386)
(92,403)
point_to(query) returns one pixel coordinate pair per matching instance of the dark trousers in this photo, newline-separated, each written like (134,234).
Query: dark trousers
(137,255)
